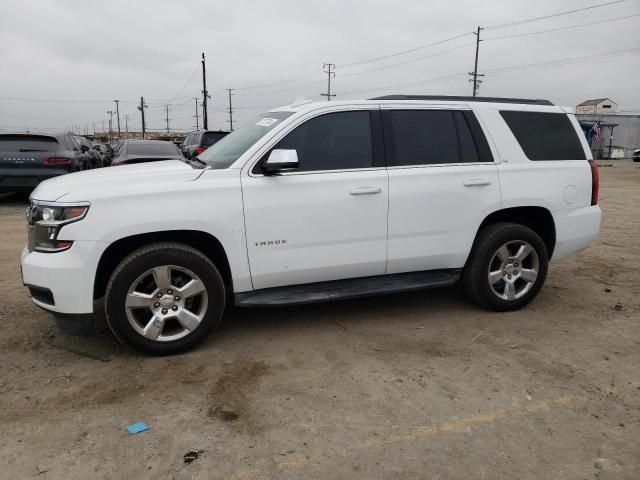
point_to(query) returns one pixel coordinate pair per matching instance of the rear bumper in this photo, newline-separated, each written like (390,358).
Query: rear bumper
(25,179)
(576,229)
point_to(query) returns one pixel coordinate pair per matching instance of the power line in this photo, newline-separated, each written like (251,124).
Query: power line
(279,82)
(559,14)
(399,85)
(568,27)
(193,75)
(566,61)
(284,90)
(375,59)
(407,61)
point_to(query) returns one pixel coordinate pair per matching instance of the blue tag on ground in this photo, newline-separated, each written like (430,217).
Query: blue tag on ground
(137,428)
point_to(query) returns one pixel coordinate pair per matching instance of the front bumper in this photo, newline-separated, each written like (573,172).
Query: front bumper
(68,275)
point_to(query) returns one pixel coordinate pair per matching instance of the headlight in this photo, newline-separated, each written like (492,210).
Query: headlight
(45,222)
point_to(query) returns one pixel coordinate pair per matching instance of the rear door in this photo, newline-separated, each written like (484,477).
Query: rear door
(442,184)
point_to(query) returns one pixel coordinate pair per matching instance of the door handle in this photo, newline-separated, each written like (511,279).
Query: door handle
(477,182)
(365,191)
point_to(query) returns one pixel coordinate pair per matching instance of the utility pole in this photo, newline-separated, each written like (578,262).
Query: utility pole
(110,112)
(230,110)
(141,107)
(205,95)
(475,74)
(126,125)
(329,73)
(196,115)
(166,109)
(103,130)
(94,131)
(118,116)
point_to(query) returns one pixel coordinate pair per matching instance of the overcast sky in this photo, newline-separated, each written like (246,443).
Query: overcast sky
(63,61)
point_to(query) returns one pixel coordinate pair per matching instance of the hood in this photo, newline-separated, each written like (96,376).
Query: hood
(88,184)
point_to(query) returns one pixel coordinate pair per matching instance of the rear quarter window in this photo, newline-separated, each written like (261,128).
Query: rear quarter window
(544,135)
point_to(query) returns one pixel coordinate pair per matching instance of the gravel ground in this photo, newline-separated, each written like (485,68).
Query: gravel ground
(421,385)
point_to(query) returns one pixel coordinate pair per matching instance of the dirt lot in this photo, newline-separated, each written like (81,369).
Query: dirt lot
(421,385)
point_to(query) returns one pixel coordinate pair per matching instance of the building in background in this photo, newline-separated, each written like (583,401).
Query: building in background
(597,105)
(619,134)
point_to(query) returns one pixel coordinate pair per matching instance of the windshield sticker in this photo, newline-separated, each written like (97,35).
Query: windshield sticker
(267,122)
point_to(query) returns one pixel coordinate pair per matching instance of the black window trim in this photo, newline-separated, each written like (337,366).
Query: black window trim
(485,157)
(377,144)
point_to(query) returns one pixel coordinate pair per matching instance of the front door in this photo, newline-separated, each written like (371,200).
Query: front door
(326,220)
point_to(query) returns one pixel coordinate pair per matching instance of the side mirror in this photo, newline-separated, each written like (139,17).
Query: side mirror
(84,148)
(280,160)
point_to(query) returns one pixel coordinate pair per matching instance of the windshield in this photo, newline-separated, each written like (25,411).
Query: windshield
(226,151)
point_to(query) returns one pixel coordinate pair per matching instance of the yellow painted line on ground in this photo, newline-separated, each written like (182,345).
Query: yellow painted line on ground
(414,434)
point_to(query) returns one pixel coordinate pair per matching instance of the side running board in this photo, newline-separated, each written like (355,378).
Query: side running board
(349,288)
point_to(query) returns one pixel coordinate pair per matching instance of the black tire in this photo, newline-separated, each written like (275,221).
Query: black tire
(142,260)
(476,272)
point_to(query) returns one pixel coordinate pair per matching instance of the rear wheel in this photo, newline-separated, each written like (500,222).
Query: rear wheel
(164,299)
(507,267)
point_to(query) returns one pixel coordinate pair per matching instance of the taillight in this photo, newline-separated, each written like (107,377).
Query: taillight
(199,150)
(56,161)
(595,182)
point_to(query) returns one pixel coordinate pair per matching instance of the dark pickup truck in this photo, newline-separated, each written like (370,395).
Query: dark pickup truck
(28,158)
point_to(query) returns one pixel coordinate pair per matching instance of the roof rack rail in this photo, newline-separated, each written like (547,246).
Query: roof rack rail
(453,98)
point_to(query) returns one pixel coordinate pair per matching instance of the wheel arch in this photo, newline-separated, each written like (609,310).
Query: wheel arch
(538,219)
(118,250)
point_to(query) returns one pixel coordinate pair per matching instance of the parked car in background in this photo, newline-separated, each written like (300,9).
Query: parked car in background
(28,158)
(141,151)
(198,141)
(87,147)
(636,155)
(106,151)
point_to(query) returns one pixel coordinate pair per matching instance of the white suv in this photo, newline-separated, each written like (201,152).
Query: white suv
(315,202)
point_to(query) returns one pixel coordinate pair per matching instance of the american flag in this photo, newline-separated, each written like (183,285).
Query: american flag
(596,131)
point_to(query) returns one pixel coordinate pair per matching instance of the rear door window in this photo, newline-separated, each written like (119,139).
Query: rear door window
(544,135)
(28,143)
(431,137)
(333,141)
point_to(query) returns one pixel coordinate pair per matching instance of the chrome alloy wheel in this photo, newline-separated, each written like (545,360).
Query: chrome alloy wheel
(513,270)
(166,303)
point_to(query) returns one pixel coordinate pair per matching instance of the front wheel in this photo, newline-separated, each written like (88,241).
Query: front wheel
(164,298)
(507,267)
